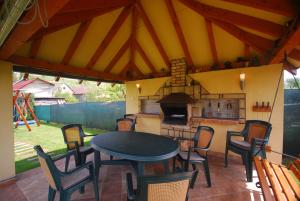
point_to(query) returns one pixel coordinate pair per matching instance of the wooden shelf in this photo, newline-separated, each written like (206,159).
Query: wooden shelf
(261,109)
(217,121)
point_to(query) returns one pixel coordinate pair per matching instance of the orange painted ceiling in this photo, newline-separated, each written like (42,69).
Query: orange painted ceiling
(117,40)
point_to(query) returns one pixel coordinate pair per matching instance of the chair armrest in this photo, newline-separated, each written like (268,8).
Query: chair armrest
(198,149)
(234,133)
(92,135)
(69,153)
(130,192)
(88,165)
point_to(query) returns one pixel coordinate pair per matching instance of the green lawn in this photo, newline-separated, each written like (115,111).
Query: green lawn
(50,138)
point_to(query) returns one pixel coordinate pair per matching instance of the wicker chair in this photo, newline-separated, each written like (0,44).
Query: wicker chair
(255,136)
(125,124)
(173,187)
(74,138)
(197,153)
(66,182)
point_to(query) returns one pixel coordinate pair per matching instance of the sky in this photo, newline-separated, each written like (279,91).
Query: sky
(288,75)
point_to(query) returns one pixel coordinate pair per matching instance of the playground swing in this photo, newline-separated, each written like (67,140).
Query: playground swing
(22,108)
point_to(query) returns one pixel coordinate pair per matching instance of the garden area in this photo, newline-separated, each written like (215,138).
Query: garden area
(48,135)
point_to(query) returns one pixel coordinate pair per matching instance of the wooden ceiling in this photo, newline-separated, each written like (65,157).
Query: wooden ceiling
(119,40)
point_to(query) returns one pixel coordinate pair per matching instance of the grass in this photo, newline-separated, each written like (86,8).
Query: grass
(50,138)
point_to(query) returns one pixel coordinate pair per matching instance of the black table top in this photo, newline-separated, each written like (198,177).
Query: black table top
(136,146)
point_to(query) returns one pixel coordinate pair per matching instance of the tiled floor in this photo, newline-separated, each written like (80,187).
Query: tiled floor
(228,184)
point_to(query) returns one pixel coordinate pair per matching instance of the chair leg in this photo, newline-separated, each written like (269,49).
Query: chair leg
(186,166)
(174,163)
(51,194)
(111,158)
(67,163)
(207,173)
(226,157)
(62,196)
(248,167)
(194,166)
(96,189)
(81,190)
(243,159)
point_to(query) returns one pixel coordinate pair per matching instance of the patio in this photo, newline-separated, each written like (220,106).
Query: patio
(184,64)
(228,184)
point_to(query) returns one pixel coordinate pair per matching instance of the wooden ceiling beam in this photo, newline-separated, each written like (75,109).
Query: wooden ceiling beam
(145,58)
(76,41)
(153,34)
(35,46)
(289,41)
(136,69)
(257,42)
(21,33)
(179,32)
(109,36)
(295,54)
(133,34)
(212,41)
(117,57)
(64,69)
(239,19)
(61,21)
(125,69)
(281,7)
(81,5)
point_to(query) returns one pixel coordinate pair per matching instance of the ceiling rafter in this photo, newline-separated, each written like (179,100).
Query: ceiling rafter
(295,54)
(239,19)
(81,5)
(256,42)
(109,36)
(76,41)
(35,46)
(125,69)
(153,34)
(117,57)
(64,69)
(136,69)
(281,7)
(212,41)
(61,21)
(145,58)
(133,33)
(21,33)
(179,32)
(289,41)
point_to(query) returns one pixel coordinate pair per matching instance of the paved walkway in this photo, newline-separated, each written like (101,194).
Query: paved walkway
(228,184)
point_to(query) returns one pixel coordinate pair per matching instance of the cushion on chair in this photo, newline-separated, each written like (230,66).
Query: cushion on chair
(74,178)
(72,134)
(194,156)
(204,138)
(171,191)
(125,125)
(256,131)
(241,144)
(85,148)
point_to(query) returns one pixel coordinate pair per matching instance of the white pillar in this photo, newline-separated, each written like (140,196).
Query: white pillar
(7,156)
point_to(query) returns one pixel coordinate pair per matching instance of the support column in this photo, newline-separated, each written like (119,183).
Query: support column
(7,156)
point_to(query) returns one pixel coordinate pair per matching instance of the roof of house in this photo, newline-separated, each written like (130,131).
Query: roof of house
(23,83)
(79,90)
(120,40)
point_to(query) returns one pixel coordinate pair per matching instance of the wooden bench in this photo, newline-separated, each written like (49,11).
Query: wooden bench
(278,183)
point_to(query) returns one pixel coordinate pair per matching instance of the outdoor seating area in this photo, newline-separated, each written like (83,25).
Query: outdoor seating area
(142,100)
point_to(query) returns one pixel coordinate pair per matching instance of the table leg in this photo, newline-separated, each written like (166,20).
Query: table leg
(140,168)
(166,166)
(97,160)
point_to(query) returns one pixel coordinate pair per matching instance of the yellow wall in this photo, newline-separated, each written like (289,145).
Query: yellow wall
(260,86)
(7,157)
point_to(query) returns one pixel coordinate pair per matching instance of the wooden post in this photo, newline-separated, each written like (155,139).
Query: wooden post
(26,98)
(19,111)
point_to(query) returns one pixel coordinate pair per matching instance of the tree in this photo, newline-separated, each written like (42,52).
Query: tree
(69,98)
(292,83)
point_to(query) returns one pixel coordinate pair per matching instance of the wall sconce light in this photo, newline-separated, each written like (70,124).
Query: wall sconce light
(242,81)
(138,86)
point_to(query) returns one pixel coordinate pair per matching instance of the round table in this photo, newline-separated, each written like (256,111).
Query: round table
(137,147)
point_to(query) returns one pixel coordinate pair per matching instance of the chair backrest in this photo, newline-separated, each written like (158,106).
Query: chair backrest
(50,170)
(173,187)
(203,137)
(130,116)
(73,133)
(125,124)
(256,129)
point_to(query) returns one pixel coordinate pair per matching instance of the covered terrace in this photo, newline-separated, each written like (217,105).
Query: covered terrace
(227,55)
